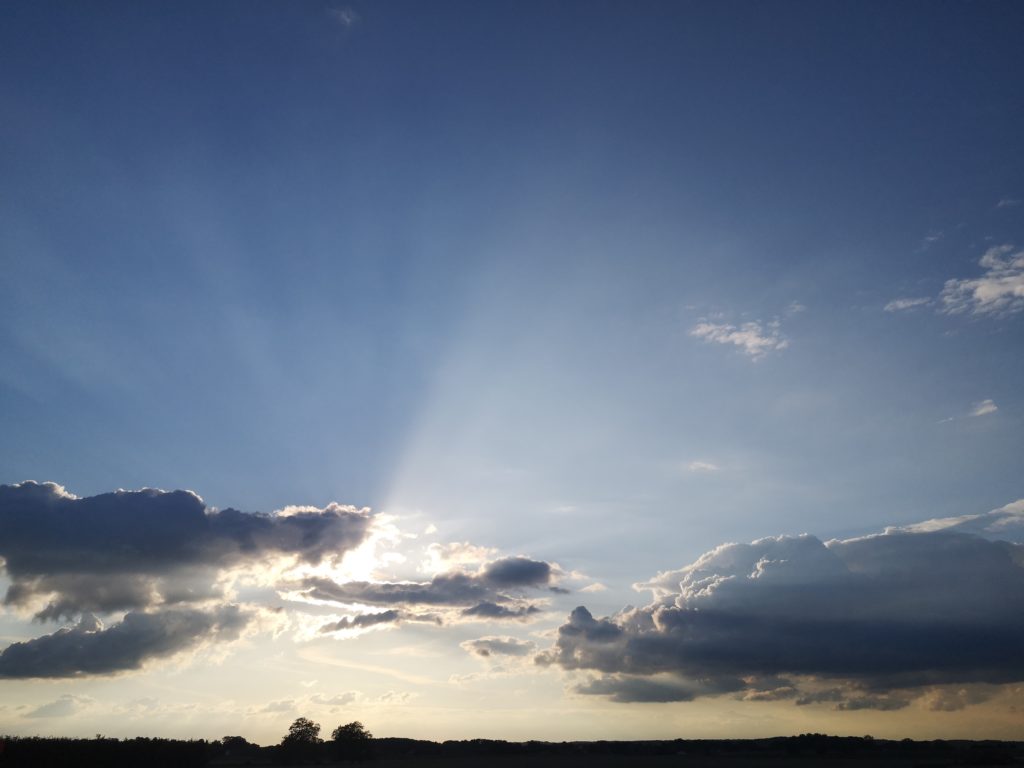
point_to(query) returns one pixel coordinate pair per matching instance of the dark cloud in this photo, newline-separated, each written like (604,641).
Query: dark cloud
(363,621)
(628,688)
(516,572)
(367,620)
(89,649)
(882,614)
(495,592)
(499,646)
(135,549)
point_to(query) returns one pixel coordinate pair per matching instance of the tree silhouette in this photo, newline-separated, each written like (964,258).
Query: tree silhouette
(301,740)
(352,741)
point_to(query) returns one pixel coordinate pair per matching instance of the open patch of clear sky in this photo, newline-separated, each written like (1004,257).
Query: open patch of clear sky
(601,285)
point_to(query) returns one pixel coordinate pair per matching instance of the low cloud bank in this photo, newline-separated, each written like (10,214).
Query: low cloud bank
(870,622)
(90,649)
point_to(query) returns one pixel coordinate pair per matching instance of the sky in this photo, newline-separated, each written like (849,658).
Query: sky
(534,370)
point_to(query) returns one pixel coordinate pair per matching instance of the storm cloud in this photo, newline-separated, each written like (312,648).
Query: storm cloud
(90,649)
(882,618)
(129,550)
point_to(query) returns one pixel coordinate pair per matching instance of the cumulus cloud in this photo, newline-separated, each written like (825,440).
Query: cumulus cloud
(884,618)
(90,649)
(495,591)
(130,550)
(754,338)
(901,305)
(499,646)
(999,290)
(984,408)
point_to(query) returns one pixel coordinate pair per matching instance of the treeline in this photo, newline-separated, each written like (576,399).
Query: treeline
(356,745)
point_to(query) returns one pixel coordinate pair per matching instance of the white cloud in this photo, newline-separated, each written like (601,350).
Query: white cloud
(1009,202)
(345,16)
(702,466)
(1006,522)
(931,238)
(1000,290)
(984,408)
(899,305)
(754,338)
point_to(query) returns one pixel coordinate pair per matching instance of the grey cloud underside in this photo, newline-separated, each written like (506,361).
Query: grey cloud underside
(89,649)
(134,549)
(367,620)
(499,646)
(495,592)
(880,615)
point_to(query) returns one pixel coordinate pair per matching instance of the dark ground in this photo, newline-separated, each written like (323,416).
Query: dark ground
(805,750)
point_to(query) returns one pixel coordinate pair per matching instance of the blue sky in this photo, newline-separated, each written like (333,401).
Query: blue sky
(601,284)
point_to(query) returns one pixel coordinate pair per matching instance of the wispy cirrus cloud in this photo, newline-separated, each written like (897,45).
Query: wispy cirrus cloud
(346,16)
(902,305)
(755,339)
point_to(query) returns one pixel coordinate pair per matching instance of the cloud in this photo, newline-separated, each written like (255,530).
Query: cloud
(984,408)
(1009,202)
(338,700)
(455,555)
(630,688)
(64,706)
(1000,289)
(345,16)
(702,466)
(275,707)
(489,610)
(901,305)
(131,550)
(499,646)
(363,621)
(90,649)
(1006,523)
(935,236)
(753,338)
(884,618)
(366,621)
(495,591)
